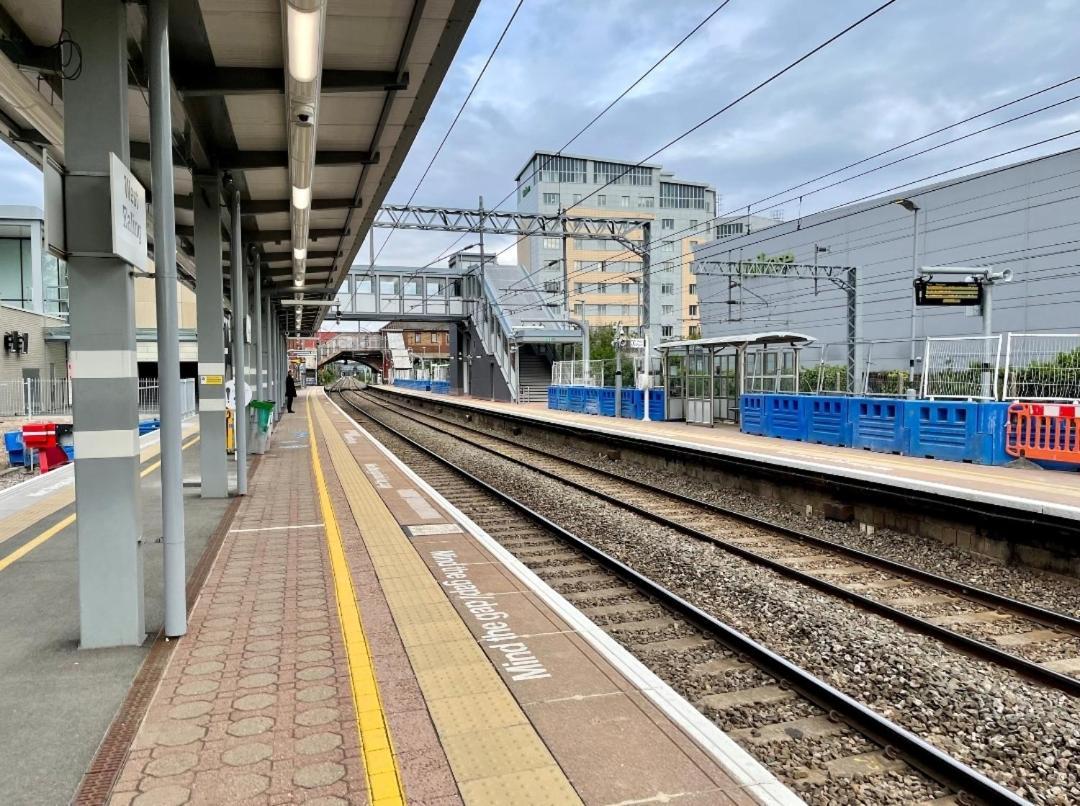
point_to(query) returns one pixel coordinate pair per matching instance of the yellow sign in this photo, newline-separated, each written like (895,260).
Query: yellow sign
(212,380)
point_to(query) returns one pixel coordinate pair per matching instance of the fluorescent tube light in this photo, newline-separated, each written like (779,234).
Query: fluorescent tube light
(304,31)
(301,198)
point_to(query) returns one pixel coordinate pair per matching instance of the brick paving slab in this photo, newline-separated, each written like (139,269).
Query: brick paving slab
(254,706)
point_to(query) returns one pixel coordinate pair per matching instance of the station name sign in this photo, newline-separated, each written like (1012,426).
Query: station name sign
(928,292)
(127,199)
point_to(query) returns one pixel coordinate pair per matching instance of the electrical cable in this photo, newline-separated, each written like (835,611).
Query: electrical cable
(595,119)
(457,117)
(718,247)
(674,236)
(760,85)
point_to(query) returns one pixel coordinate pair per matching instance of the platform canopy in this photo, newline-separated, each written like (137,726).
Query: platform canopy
(234,103)
(742,340)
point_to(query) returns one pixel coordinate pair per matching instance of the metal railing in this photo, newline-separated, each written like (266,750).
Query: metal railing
(34,397)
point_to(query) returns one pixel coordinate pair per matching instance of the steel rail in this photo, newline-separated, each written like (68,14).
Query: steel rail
(1051,618)
(894,738)
(910,500)
(1049,677)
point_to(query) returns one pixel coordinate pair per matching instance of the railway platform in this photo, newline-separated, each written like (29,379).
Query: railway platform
(360,640)
(1012,514)
(1036,491)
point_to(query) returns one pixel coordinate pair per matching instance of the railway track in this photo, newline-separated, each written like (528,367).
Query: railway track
(1045,643)
(823,743)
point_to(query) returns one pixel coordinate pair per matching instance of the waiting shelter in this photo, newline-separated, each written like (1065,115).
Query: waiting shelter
(703,378)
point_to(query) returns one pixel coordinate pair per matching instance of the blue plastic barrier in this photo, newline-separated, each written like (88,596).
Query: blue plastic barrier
(752,414)
(577,399)
(564,398)
(70,451)
(785,416)
(440,387)
(943,429)
(633,404)
(656,404)
(146,426)
(878,425)
(592,400)
(553,397)
(827,420)
(16,451)
(606,400)
(993,422)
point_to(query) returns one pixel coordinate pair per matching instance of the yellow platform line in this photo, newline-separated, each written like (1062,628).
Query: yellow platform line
(57,528)
(380,764)
(495,753)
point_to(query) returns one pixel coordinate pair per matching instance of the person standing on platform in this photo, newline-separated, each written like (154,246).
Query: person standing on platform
(290,392)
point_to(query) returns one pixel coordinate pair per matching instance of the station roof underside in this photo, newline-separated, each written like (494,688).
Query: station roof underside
(383,62)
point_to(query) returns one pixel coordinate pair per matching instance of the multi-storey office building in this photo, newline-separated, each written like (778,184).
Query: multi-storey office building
(604,277)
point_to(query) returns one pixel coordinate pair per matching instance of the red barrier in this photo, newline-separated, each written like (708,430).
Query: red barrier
(1049,431)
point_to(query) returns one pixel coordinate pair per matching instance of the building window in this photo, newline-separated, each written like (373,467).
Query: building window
(695,331)
(601,288)
(434,338)
(578,308)
(677,196)
(694,244)
(667,223)
(667,288)
(693,288)
(668,246)
(729,229)
(693,310)
(415,338)
(615,173)
(552,243)
(601,310)
(693,222)
(624,201)
(577,288)
(551,198)
(665,330)
(577,198)
(624,288)
(562,169)
(646,201)
(668,310)
(601,200)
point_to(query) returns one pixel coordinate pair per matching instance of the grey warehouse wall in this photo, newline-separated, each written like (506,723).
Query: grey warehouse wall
(1025,217)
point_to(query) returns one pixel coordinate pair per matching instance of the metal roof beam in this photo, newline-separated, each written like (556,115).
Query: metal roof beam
(207,82)
(502,222)
(255,160)
(268,206)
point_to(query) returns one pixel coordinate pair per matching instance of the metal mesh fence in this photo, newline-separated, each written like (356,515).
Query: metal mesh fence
(964,368)
(580,373)
(1042,366)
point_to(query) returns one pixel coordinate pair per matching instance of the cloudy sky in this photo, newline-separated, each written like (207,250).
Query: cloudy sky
(917,66)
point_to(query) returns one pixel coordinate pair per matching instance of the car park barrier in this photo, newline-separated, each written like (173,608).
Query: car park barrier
(1048,432)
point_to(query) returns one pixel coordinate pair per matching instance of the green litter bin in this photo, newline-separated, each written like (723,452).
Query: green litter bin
(263,410)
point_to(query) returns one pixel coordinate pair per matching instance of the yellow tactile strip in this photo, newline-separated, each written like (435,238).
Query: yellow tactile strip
(502,759)
(383,776)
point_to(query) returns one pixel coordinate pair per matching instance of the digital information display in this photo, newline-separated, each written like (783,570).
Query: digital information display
(933,293)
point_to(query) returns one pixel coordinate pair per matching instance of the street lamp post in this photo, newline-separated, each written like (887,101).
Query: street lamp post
(912,208)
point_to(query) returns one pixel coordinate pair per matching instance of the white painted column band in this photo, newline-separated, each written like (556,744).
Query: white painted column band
(211,367)
(104,364)
(118,444)
(212,404)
